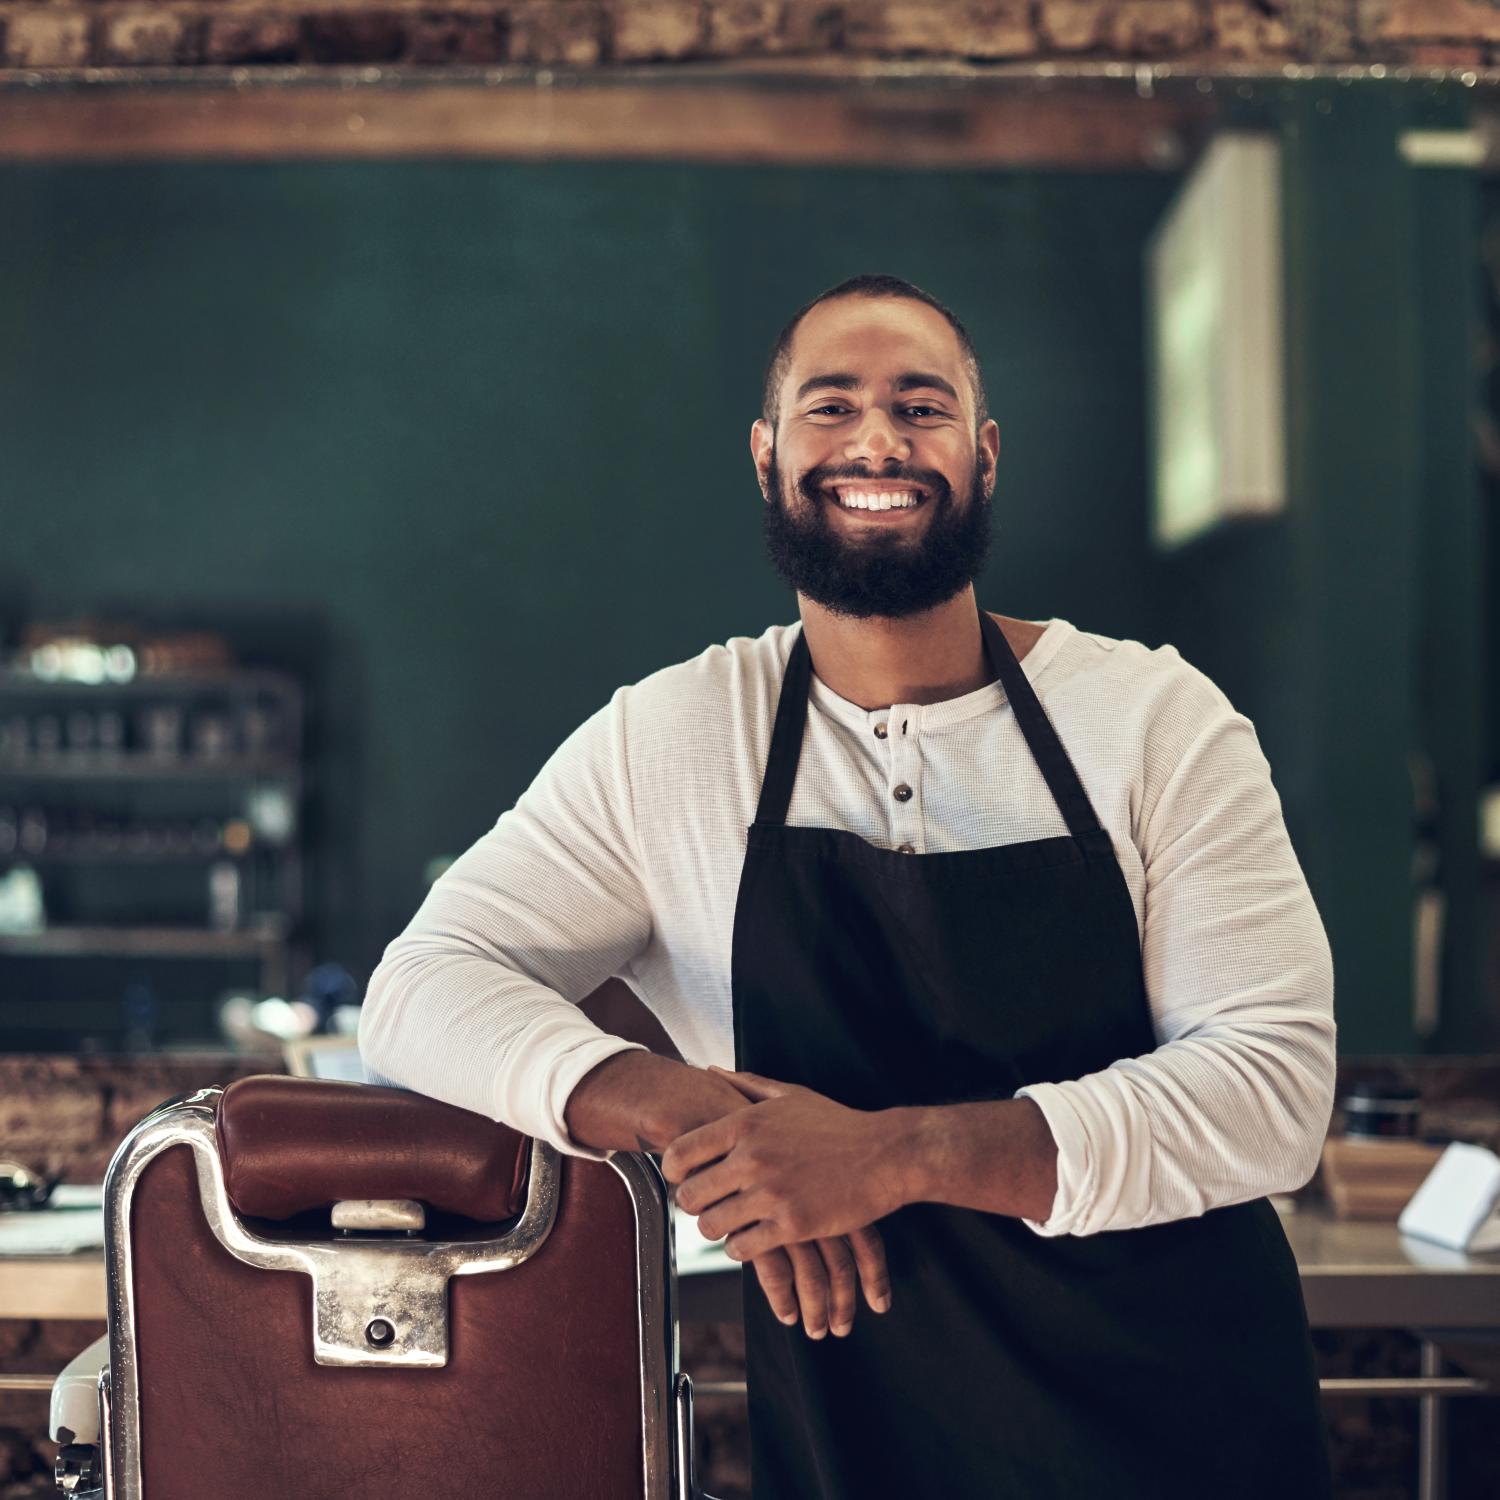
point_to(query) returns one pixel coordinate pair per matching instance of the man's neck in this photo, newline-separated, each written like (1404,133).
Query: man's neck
(923,658)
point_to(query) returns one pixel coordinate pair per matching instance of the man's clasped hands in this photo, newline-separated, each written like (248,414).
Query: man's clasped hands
(796,1182)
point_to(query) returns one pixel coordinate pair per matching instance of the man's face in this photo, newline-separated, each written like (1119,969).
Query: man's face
(876,411)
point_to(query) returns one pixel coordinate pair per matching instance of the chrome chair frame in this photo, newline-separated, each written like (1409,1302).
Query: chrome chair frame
(403,1282)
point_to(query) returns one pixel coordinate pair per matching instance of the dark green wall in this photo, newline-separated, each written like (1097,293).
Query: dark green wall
(1352,629)
(467,444)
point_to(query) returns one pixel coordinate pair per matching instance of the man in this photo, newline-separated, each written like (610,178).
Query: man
(1038,991)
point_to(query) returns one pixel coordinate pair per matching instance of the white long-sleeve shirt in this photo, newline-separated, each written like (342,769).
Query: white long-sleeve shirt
(623,859)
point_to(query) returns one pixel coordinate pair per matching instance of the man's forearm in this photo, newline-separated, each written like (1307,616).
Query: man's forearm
(998,1156)
(641,1101)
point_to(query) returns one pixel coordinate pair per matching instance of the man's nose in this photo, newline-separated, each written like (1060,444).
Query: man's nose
(876,438)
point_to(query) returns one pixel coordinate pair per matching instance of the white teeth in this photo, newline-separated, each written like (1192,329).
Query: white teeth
(882,500)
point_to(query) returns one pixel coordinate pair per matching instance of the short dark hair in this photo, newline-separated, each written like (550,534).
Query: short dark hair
(869,285)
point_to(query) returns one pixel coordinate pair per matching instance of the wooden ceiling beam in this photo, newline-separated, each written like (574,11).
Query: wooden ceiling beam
(1098,130)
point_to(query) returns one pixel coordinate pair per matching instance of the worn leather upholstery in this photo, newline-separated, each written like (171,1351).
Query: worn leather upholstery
(293,1144)
(541,1396)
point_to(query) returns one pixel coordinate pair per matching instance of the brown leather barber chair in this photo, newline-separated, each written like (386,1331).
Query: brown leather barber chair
(320,1289)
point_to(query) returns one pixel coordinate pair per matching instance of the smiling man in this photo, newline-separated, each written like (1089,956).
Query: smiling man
(999,984)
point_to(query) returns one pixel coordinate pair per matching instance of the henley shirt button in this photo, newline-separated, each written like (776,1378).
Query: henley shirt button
(902,793)
(880,731)
(905,849)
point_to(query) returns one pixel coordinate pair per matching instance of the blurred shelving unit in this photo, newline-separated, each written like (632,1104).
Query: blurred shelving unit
(159,820)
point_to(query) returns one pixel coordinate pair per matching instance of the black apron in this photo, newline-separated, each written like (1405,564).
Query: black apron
(1171,1362)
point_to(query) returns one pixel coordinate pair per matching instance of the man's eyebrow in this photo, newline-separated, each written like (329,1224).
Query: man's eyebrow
(842,381)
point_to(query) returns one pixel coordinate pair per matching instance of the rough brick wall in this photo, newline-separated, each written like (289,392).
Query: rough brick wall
(66,1115)
(50,34)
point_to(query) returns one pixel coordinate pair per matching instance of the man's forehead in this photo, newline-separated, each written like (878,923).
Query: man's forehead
(877,337)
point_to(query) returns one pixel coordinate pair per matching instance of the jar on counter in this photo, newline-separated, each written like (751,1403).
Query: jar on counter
(1382,1108)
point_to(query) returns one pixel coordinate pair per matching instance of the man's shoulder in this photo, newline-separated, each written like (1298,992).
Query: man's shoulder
(721,679)
(1140,711)
(1130,682)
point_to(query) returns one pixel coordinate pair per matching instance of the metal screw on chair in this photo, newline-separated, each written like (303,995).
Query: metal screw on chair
(380,1333)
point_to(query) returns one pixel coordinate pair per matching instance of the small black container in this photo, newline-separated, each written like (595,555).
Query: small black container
(1382,1107)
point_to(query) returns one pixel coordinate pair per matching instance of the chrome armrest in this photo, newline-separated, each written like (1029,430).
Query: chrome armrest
(687,1473)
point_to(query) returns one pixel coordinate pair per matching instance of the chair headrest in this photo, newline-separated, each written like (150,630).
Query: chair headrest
(293,1144)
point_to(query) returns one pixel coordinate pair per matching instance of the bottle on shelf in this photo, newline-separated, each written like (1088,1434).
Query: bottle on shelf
(224,896)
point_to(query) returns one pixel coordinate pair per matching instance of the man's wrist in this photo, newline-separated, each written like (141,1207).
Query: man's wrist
(617,1104)
(998,1156)
(641,1101)
(914,1140)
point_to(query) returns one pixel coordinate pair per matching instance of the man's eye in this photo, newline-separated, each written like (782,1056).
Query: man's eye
(832,406)
(917,411)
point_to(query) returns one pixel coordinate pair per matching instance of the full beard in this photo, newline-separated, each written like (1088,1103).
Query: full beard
(890,576)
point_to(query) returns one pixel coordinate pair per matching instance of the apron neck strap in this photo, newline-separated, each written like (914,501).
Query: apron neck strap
(786,736)
(1041,738)
(1046,749)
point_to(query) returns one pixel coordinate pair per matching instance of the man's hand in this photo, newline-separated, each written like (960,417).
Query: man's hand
(814,1280)
(817,1279)
(794,1166)
(637,1100)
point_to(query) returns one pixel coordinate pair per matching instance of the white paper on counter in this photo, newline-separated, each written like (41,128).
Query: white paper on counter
(696,1255)
(50,1231)
(77,1195)
(1458,1203)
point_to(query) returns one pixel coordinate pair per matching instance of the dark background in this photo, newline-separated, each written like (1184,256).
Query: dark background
(465,446)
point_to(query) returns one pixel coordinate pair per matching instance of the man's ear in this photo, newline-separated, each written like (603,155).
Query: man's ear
(762,441)
(988,444)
